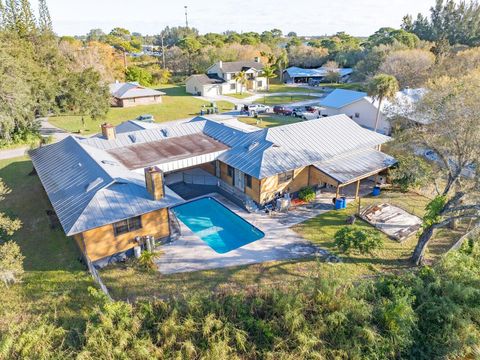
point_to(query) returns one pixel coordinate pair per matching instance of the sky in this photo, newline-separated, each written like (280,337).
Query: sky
(305,17)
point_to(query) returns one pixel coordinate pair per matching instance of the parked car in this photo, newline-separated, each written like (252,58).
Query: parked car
(146,118)
(282,110)
(258,108)
(298,111)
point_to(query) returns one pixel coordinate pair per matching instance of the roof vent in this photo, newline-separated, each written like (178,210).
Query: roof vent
(253,145)
(109,162)
(165,132)
(132,137)
(94,184)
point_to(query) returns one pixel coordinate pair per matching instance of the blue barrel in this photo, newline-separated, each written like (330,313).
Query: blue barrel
(338,204)
(344,202)
(376,191)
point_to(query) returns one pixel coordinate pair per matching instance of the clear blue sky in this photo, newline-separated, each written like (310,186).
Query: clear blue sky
(305,17)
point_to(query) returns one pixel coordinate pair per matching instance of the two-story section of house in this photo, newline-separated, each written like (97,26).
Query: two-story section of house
(220,78)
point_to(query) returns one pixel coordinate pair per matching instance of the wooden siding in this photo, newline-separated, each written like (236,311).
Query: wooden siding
(224,174)
(208,167)
(270,186)
(254,191)
(319,178)
(101,242)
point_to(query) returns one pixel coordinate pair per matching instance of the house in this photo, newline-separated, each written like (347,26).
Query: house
(299,75)
(132,94)
(111,189)
(363,109)
(219,78)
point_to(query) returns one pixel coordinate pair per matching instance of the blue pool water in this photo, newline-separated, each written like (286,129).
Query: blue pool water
(219,227)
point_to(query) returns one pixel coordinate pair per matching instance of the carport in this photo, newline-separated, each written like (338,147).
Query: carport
(353,168)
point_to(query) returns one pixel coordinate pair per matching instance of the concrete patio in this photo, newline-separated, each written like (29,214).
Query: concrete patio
(190,253)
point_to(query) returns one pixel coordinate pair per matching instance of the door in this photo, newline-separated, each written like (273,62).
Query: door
(217,169)
(239,180)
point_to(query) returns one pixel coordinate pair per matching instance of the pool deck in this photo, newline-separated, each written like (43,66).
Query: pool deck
(190,253)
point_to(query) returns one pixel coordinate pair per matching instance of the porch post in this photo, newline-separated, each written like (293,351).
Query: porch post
(338,191)
(376,178)
(358,189)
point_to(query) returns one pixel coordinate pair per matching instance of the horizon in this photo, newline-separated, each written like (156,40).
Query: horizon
(150,17)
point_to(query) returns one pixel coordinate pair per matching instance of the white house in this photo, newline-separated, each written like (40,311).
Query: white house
(219,78)
(363,109)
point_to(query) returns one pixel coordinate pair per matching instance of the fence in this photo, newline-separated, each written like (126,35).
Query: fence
(96,277)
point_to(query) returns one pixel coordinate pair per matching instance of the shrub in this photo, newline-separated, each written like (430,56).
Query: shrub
(350,238)
(146,260)
(11,262)
(307,194)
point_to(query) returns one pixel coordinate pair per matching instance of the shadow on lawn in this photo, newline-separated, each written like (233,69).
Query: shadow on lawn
(174,91)
(44,248)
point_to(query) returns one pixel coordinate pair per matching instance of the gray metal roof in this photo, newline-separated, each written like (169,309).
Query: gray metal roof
(80,180)
(237,66)
(208,79)
(131,90)
(289,147)
(352,166)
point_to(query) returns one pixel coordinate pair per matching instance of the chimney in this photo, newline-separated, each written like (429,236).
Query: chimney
(108,131)
(257,59)
(154,182)
(220,64)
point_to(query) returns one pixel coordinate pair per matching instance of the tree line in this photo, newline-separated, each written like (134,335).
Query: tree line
(37,78)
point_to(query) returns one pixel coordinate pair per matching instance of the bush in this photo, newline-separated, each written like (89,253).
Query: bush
(11,262)
(146,260)
(138,74)
(353,238)
(307,194)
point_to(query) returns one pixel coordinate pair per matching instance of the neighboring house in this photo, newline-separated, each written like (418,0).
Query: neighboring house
(363,109)
(219,78)
(110,189)
(304,76)
(132,94)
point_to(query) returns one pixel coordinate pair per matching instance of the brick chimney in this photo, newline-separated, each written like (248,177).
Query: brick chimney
(108,131)
(154,182)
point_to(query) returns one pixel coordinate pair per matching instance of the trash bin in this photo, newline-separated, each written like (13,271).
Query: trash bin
(376,191)
(344,202)
(338,204)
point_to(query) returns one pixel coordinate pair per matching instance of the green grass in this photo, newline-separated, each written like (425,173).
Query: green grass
(240,96)
(55,282)
(126,281)
(346,86)
(277,100)
(176,104)
(278,88)
(266,121)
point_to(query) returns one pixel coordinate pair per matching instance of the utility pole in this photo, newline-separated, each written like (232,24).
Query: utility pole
(186,17)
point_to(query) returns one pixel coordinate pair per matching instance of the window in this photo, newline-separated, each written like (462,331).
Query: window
(284,177)
(125,226)
(357,115)
(248,181)
(233,86)
(259,83)
(230,171)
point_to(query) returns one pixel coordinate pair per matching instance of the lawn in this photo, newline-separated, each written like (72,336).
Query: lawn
(278,88)
(55,282)
(278,100)
(126,281)
(240,96)
(266,121)
(176,104)
(347,86)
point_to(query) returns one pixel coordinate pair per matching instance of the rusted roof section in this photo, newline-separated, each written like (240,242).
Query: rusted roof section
(161,151)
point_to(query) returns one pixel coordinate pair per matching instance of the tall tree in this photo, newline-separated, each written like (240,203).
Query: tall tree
(241,78)
(44,19)
(381,87)
(269,73)
(11,15)
(451,110)
(27,19)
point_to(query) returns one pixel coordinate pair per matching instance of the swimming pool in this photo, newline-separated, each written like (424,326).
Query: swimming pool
(215,224)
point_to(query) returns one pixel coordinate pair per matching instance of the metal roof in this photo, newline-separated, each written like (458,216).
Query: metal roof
(353,166)
(339,98)
(294,71)
(208,79)
(292,146)
(237,66)
(68,168)
(131,90)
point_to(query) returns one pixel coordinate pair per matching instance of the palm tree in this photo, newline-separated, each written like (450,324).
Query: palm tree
(282,63)
(382,86)
(269,73)
(241,78)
